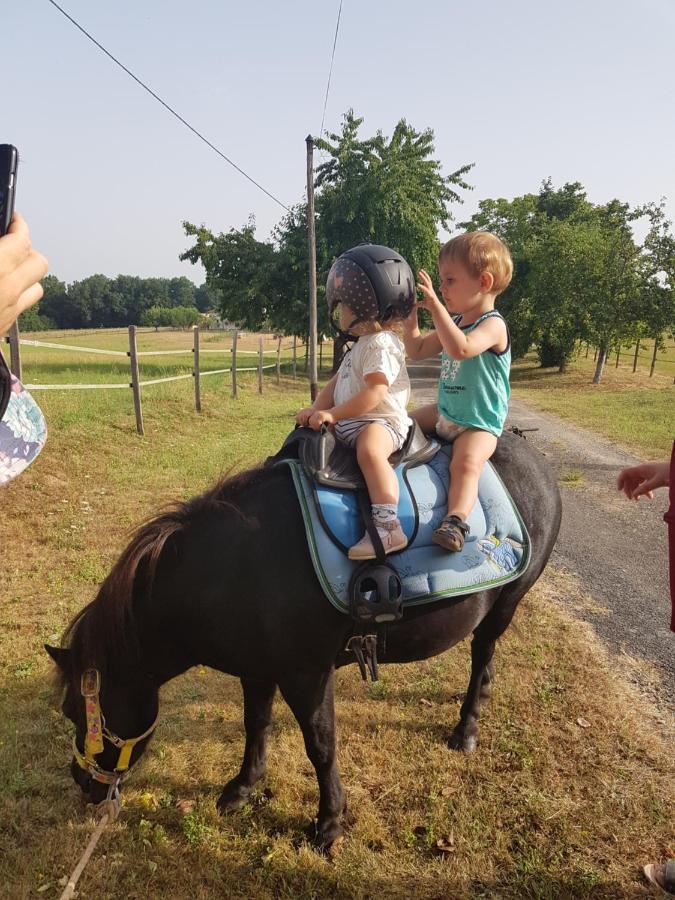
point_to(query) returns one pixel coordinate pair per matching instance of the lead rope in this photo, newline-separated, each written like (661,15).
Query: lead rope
(111,808)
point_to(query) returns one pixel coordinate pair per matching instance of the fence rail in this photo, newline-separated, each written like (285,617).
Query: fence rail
(133,355)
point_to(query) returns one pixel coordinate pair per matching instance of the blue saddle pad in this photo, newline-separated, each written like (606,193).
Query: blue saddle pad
(495,552)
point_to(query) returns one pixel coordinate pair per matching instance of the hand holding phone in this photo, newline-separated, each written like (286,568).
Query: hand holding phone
(9,162)
(21,267)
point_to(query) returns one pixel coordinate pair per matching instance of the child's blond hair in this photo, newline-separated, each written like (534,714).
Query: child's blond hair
(481,251)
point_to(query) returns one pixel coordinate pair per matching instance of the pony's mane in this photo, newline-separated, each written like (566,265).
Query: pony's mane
(104,632)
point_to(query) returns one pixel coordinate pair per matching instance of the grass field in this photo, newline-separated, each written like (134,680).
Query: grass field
(634,410)
(570,792)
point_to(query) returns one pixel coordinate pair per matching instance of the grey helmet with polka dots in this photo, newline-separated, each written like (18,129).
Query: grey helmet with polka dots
(376,283)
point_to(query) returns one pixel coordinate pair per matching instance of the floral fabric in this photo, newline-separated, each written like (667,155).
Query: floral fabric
(23,432)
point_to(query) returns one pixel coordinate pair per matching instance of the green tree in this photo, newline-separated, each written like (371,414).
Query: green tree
(237,267)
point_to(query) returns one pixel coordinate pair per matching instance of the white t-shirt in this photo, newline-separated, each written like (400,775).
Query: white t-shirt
(381,352)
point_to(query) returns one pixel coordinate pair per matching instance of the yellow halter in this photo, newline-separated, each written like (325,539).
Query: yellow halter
(97,731)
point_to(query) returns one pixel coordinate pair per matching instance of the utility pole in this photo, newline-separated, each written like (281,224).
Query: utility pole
(313,379)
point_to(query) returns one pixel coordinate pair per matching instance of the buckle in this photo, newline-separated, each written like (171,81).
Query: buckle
(90,683)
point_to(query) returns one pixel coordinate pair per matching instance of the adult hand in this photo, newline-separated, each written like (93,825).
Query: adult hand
(426,288)
(643,479)
(21,269)
(320,417)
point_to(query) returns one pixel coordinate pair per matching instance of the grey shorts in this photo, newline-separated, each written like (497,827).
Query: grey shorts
(449,430)
(347,431)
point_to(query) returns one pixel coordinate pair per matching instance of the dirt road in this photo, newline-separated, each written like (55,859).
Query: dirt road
(616,549)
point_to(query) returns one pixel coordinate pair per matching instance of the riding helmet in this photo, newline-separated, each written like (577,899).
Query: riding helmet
(375,282)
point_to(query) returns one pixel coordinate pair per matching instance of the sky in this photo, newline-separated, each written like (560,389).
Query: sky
(525,90)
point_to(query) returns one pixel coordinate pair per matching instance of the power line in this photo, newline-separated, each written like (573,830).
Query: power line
(169,108)
(330,73)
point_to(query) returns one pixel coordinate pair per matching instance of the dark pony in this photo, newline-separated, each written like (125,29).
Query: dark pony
(225,580)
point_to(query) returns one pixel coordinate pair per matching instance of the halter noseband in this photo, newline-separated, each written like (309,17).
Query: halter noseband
(97,731)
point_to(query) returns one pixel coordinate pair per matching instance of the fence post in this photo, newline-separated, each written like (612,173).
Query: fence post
(135,380)
(295,355)
(586,350)
(617,359)
(653,365)
(279,360)
(235,335)
(15,350)
(195,368)
(635,358)
(260,364)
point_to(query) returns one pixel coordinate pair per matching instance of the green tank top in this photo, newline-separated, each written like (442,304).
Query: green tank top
(475,392)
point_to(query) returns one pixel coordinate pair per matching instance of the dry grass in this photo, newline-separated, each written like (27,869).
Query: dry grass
(545,809)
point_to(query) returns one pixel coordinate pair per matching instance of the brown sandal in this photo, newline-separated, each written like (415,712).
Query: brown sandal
(450,534)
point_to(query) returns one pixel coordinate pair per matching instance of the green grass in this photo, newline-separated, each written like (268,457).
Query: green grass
(633,410)
(544,809)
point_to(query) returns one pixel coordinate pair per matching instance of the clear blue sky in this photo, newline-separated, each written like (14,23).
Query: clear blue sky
(581,91)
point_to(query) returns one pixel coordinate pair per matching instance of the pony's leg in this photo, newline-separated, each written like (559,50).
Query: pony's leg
(465,735)
(258,698)
(310,696)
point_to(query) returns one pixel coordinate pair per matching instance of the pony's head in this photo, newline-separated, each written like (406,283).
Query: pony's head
(114,719)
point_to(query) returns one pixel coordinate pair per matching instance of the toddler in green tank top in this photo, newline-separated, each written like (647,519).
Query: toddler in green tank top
(473,340)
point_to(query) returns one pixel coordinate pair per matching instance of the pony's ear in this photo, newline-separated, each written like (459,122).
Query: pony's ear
(59,655)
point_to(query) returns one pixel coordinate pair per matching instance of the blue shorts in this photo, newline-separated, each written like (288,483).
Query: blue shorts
(347,431)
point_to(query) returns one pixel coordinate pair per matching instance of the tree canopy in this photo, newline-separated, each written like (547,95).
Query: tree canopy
(386,190)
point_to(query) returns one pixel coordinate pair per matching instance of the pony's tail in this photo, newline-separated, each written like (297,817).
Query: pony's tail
(108,621)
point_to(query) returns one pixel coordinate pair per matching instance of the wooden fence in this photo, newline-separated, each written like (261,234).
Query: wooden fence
(135,384)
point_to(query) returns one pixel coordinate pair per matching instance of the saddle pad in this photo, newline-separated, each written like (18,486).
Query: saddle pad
(495,552)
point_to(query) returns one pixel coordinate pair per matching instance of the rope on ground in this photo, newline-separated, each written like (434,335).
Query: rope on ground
(111,811)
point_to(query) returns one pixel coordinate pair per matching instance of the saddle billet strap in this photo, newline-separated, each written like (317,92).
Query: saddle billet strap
(373,533)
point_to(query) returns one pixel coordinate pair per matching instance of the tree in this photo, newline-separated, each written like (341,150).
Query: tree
(237,267)
(657,307)
(388,191)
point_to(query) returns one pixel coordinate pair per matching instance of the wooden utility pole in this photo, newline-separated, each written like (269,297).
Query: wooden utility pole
(313,379)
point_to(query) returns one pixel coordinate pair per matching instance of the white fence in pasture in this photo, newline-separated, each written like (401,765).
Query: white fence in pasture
(133,355)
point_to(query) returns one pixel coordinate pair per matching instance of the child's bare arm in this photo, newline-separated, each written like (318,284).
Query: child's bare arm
(490,334)
(637,481)
(361,403)
(324,399)
(417,345)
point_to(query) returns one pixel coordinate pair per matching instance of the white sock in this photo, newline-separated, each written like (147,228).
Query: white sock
(384,516)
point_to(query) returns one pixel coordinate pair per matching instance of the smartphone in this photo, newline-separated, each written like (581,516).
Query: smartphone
(9,162)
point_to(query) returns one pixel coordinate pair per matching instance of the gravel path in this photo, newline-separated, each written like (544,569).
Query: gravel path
(616,549)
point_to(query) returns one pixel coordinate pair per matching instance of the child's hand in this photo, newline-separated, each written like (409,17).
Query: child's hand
(320,417)
(643,479)
(302,417)
(426,287)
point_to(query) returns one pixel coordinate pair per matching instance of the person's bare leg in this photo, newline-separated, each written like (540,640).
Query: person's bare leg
(470,451)
(426,417)
(374,446)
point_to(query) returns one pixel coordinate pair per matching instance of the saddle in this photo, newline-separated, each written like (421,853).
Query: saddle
(332,464)
(336,508)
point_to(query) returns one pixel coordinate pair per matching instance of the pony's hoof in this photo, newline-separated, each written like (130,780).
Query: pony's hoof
(233,797)
(326,840)
(460,740)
